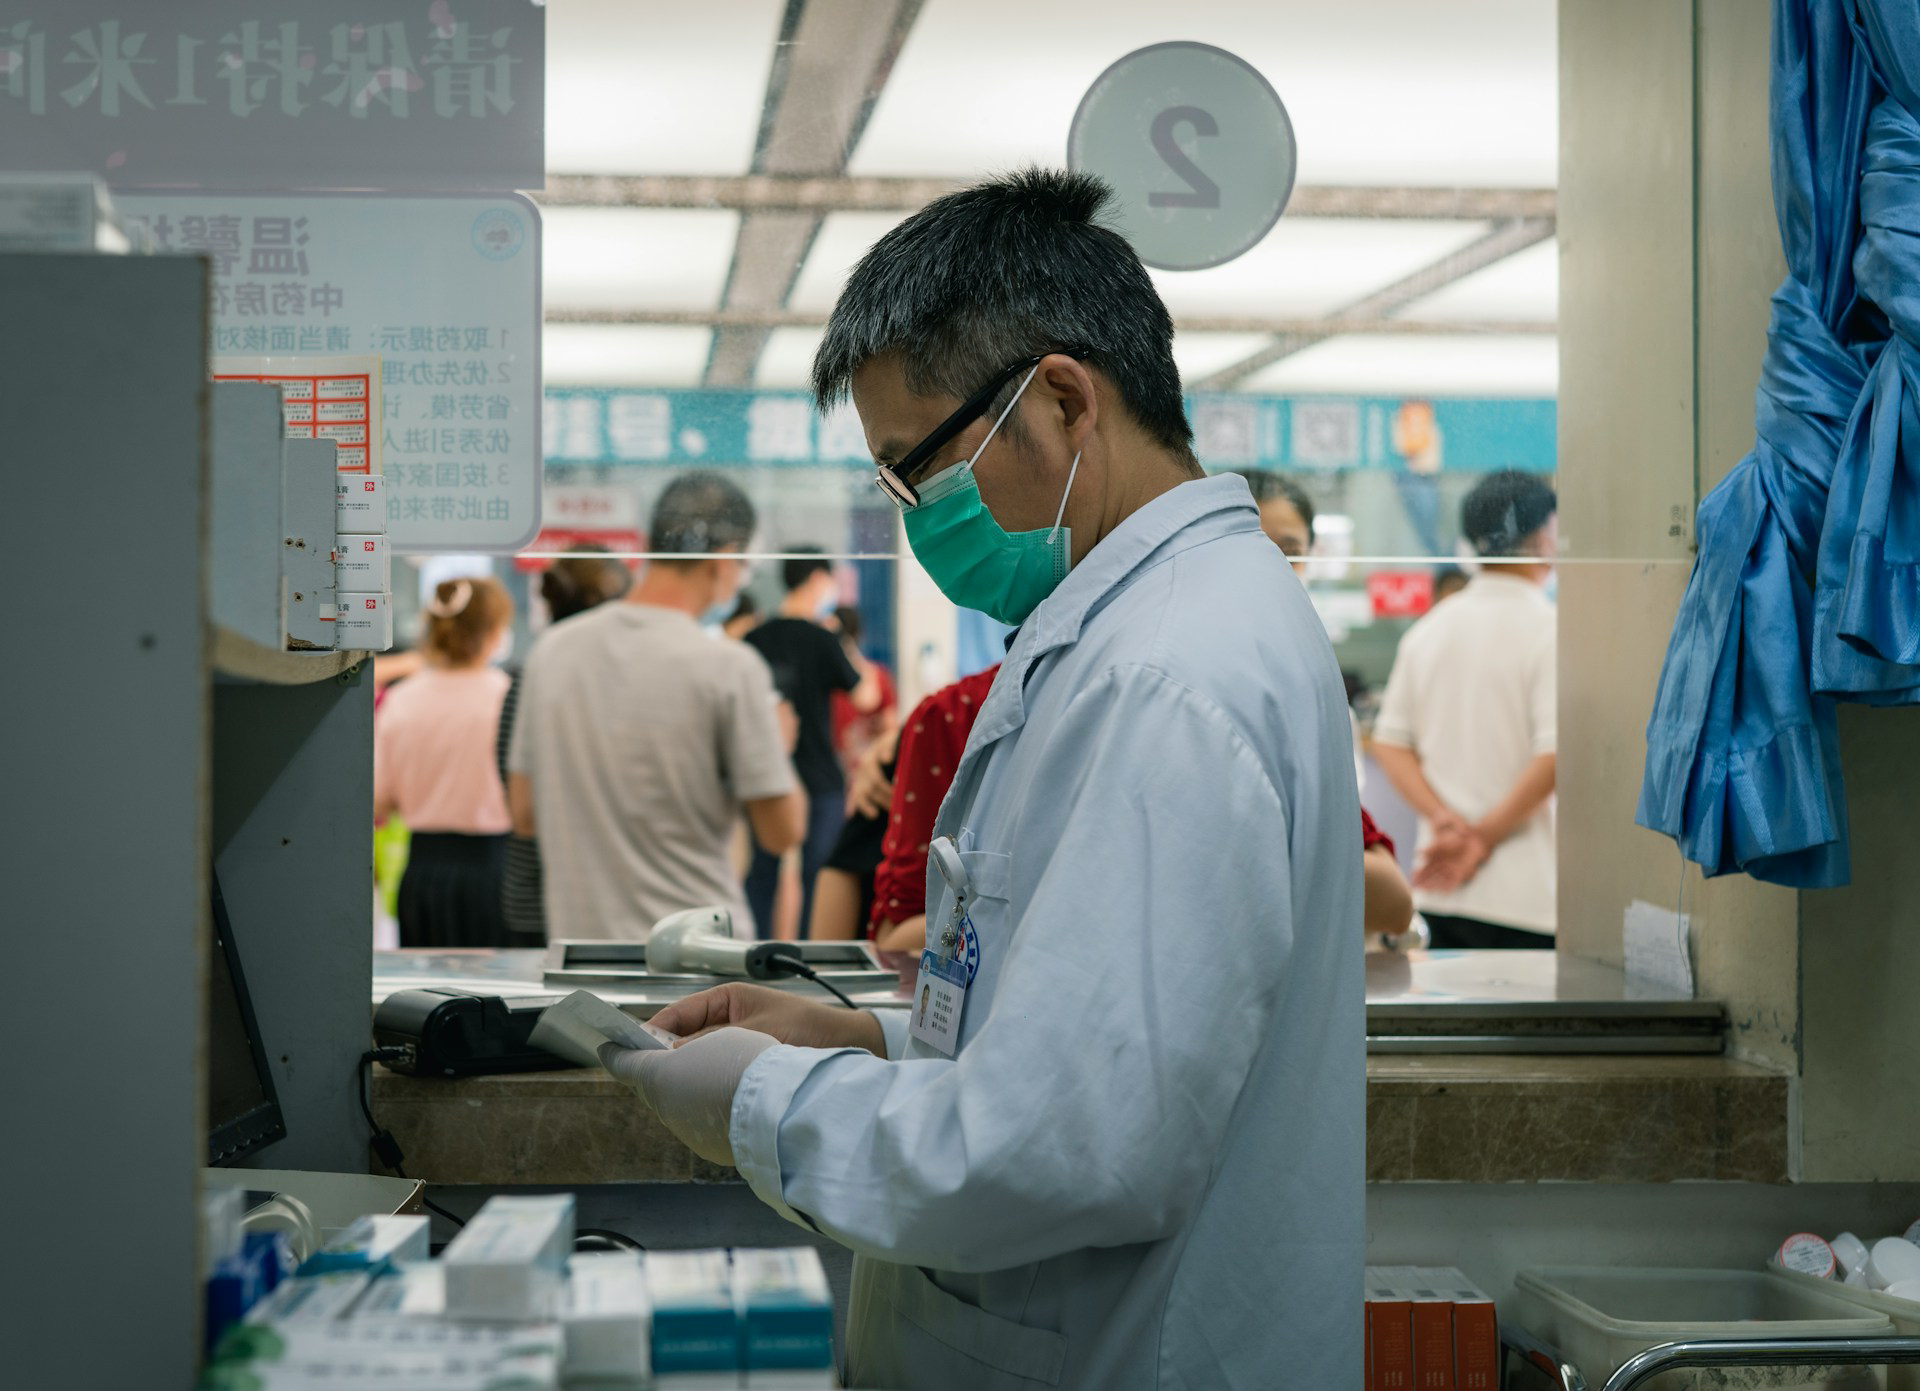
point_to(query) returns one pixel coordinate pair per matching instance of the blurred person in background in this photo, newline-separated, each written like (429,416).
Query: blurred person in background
(1448,581)
(1467,729)
(433,741)
(744,618)
(1286,513)
(809,664)
(931,742)
(853,729)
(571,585)
(1286,516)
(640,737)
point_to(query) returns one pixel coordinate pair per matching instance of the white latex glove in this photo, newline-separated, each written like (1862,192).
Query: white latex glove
(691,1087)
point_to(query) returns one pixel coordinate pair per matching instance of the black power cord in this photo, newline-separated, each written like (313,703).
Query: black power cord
(793,966)
(385,1147)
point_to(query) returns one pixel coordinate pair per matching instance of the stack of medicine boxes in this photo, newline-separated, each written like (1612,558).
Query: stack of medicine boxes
(362,565)
(509,1303)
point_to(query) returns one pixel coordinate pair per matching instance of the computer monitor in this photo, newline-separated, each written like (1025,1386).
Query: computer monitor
(243,1110)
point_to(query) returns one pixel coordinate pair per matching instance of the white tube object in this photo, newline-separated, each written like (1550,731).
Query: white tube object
(1895,1261)
(1905,1289)
(1852,1254)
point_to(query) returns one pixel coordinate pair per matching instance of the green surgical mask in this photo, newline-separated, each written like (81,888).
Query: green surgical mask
(975,563)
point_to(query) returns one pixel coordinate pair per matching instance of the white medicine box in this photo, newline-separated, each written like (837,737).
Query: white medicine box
(360,504)
(363,622)
(360,564)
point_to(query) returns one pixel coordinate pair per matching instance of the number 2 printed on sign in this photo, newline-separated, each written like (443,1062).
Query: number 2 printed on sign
(1201,191)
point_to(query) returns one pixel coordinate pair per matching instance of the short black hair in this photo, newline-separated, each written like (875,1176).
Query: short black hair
(1267,485)
(699,513)
(1010,268)
(807,562)
(1504,509)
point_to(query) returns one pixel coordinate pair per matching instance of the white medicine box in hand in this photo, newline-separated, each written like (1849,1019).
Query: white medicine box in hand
(360,504)
(363,622)
(360,564)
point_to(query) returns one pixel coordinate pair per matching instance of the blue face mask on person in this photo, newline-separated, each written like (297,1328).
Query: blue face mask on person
(976,563)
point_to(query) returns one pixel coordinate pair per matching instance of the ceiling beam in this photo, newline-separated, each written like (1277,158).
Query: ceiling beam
(829,64)
(770,192)
(1507,237)
(769,319)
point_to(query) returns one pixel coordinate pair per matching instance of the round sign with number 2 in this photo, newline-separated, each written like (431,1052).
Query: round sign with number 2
(1197,146)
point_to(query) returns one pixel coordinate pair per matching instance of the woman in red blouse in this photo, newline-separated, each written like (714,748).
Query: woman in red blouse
(931,743)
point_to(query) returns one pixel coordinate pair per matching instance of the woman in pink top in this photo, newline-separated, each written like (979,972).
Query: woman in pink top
(433,765)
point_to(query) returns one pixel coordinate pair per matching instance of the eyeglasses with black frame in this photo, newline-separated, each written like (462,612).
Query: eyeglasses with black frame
(896,479)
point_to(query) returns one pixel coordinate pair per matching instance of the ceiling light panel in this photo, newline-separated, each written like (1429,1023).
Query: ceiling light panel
(1440,365)
(630,258)
(1379,91)
(623,355)
(1313,266)
(1525,286)
(843,239)
(787,360)
(637,88)
(1197,354)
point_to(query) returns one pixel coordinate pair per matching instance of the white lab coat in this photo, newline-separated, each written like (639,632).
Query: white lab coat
(1145,1165)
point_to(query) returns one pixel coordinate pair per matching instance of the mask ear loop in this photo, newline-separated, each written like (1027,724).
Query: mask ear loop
(1061,514)
(1008,410)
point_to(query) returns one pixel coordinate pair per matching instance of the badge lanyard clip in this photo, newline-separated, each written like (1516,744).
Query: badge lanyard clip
(946,858)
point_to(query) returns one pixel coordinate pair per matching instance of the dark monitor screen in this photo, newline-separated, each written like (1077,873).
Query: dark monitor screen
(243,1111)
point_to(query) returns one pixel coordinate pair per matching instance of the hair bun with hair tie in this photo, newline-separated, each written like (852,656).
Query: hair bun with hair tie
(455,603)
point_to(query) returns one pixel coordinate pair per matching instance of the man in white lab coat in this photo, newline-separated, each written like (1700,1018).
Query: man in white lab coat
(1124,1147)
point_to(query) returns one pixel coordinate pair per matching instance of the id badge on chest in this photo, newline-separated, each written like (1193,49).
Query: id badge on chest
(946,973)
(942,998)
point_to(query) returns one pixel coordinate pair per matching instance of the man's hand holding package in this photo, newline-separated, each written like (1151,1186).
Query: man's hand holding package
(721,1031)
(784,1015)
(691,1087)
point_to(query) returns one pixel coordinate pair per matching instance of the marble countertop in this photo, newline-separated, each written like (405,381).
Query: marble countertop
(1497,1067)
(1497,1119)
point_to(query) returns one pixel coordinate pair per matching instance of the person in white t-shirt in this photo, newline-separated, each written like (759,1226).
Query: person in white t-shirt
(1466,730)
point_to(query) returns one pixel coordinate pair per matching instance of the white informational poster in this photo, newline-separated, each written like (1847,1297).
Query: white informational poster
(444,291)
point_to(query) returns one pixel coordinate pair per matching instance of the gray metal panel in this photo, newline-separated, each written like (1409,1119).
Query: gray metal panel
(308,472)
(249,597)
(293,841)
(103,407)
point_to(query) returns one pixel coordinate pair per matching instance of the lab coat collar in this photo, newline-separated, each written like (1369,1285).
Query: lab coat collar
(1177,520)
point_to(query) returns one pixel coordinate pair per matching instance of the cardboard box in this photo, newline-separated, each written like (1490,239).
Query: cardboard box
(1389,1333)
(363,622)
(785,1309)
(373,1241)
(510,1261)
(606,1316)
(361,564)
(1476,1333)
(695,1326)
(361,504)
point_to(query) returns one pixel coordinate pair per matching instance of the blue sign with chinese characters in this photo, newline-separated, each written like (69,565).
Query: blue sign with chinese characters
(437,94)
(782,429)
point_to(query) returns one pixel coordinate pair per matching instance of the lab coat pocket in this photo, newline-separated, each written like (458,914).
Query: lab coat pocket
(990,872)
(998,1352)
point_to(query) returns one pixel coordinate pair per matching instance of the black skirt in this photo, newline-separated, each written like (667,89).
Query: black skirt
(450,894)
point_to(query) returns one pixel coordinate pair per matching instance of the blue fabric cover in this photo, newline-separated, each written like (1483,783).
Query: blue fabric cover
(1806,590)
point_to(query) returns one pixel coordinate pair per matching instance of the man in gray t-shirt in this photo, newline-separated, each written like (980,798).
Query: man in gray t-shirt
(641,738)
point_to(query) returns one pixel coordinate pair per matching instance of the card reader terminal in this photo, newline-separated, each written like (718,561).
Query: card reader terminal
(452,1033)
